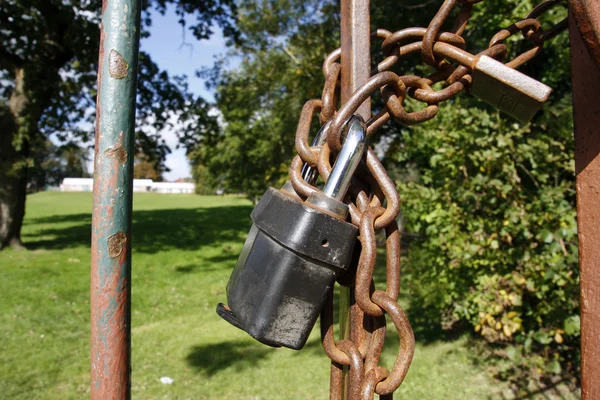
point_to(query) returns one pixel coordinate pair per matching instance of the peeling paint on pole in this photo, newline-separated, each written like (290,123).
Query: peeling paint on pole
(111,222)
(117,66)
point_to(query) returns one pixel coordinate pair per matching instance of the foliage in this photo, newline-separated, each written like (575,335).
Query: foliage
(205,182)
(53,163)
(282,47)
(56,44)
(144,169)
(497,215)
(283,44)
(495,204)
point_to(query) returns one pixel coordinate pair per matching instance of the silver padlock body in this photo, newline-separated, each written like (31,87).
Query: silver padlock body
(286,269)
(507,89)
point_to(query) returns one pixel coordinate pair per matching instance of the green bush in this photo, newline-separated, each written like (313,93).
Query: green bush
(494,204)
(206,184)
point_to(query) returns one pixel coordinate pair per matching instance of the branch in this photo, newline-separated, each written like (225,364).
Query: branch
(535,182)
(290,54)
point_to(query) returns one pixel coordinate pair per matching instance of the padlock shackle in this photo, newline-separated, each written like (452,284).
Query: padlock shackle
(348,159)
(310,174)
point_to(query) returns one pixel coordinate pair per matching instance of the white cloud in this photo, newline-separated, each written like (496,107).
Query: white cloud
(177,161)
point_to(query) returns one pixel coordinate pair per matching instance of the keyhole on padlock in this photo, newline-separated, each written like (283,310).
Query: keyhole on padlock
(324,243)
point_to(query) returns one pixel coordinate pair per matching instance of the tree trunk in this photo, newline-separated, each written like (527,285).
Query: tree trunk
(14,150)
(13,189)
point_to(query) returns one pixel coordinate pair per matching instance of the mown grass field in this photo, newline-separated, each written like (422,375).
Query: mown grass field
(184,248)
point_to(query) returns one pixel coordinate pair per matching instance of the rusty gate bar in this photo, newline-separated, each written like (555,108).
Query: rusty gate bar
(112,203)
(355,37)
(586,116)
(356,50)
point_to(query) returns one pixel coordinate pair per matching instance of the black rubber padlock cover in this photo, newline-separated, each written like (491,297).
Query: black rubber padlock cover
(289,262)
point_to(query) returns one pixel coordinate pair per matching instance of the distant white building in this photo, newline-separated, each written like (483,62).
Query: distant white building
(142,185)
(77,185)
(173,187)
(139,185)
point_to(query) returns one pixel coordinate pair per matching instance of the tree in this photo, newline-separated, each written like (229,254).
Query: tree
(260,101)
(205,183)
(47,167)
(283,45)
(144,169)
(52,163)
(48,54)
(48,62)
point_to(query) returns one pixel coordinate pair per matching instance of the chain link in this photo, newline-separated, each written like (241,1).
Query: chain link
(373,199)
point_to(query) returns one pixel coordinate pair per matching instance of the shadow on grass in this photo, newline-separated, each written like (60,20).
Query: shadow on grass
(427,325)
(153,230)
(209,359)
(558,390)
(425,322)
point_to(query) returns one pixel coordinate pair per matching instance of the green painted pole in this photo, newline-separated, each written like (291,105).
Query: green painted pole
(112,204)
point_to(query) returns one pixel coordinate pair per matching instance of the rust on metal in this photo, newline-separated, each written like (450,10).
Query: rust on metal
(330,94)
(117,66)
(116,244)
(432,31)
(355,63)
(356,48)
(336,391)
(110,300)
(118,153)
(586,14)
(356,367)
(586,117)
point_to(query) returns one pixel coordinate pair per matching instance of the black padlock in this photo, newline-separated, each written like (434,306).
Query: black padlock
(293,254)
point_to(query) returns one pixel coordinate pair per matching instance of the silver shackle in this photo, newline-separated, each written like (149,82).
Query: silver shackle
(352,151)
(353,148)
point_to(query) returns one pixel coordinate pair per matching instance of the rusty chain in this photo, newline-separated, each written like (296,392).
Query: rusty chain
(373,200)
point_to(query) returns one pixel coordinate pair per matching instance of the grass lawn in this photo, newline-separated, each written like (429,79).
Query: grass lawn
(184,248)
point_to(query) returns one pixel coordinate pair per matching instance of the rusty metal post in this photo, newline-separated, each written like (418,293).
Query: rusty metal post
(112,204)
(356,70)
(586,116)
(586,14)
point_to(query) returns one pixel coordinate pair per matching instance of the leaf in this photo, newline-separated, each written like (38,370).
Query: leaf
(435,159)
(527,344)
(554,367)
(546,236)
(518,278)
(572,325)
(515,299)
(512,352)
(558,338)
(542,337)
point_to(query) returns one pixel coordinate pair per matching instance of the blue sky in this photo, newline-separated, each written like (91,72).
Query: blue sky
(179,53)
